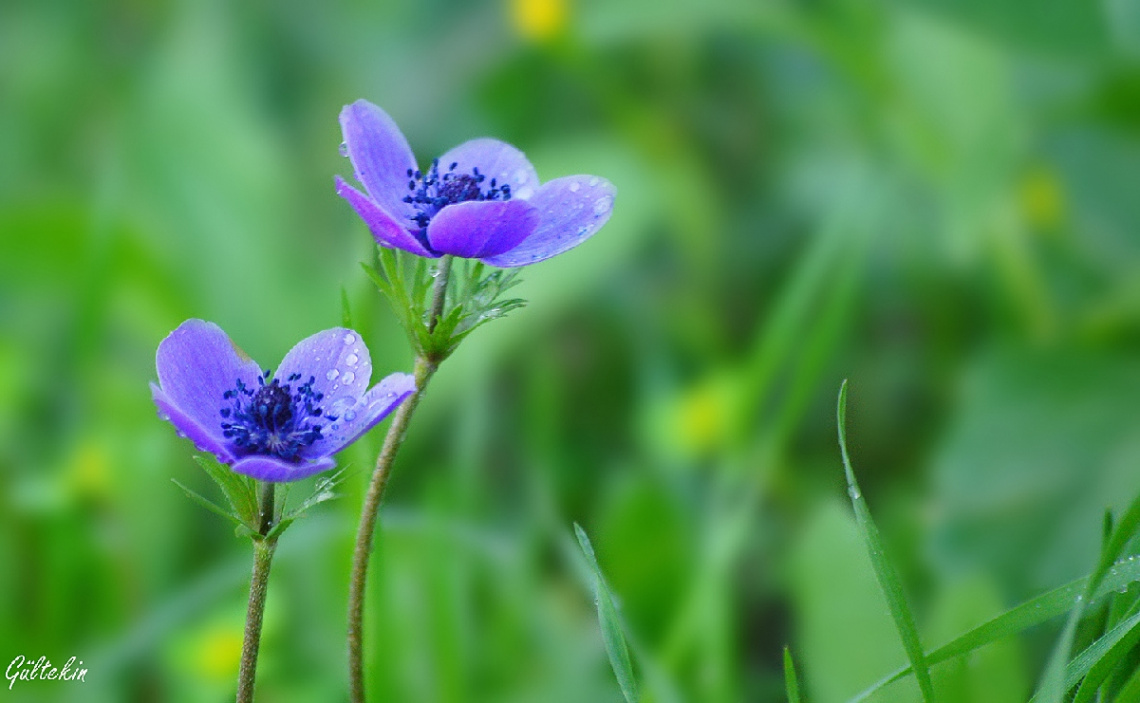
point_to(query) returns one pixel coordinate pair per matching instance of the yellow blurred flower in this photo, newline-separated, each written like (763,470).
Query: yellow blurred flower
(217,652)
(88,471)
(538,20)
(1042,197)
(702,415)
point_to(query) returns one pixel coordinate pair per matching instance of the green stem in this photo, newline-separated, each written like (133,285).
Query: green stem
(424,370)
(259,582)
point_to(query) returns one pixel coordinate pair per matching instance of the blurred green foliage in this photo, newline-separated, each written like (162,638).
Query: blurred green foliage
(930,198)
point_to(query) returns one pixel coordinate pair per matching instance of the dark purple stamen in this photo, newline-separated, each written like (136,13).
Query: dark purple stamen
(273,418)
(431,191)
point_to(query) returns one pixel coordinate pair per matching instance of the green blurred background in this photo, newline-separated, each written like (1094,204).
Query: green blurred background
(934,199)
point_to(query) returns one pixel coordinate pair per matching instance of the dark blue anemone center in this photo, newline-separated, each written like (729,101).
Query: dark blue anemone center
(273,419)
(430,192)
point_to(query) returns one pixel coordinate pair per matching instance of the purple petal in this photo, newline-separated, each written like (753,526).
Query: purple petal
(380,155)
(207,439)
(270,468)
(385,229)
(196,364)
(494,159)
(336,359)
(475,229)
(572,209)
(357,419)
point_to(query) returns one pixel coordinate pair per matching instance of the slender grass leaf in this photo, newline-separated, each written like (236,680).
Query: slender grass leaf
(791,684)
(884,571)
(1032,612)
(1104,667)
(1055,681)
(610,623)
(1075,670)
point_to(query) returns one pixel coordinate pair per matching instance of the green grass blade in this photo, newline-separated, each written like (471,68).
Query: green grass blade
(1103,667)
(345,309)
(884,571)
(1034,611)
(1055,681)
(610,623)
(791,683)
(1075,670)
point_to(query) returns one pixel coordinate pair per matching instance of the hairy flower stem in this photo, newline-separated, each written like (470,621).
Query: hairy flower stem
(424,369)
(263,549)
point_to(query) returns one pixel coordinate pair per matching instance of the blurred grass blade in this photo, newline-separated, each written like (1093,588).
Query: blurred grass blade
(1017,619)
(610,623)
(791,684)
(884,571)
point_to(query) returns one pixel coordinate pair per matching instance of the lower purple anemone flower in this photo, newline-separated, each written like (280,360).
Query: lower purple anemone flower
(481,200)
(279,427)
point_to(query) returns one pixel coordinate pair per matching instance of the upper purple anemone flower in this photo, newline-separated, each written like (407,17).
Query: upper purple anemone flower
(279,427)
(481,200)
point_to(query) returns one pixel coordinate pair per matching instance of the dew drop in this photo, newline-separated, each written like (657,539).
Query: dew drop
(349,338)
(575,186)
(348,377)
(351,359)
(593,182)
(349,415)
(332,374)
(344,149)
(603,205)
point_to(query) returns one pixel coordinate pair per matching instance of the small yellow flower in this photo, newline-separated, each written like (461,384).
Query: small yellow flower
(538,20)
(217,652)
(1042,197)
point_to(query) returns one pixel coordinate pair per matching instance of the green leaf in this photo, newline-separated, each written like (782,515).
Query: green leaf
(239,490)
(884,571)
(610,622)
(345,310)
(208,504)
(791,684)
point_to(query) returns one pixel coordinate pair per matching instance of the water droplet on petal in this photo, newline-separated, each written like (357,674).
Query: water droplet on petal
(344,148)
(575,186)
(603,205)
(351,360)
(348,377)
(332,374)
(593,182)
(349,338)
(349,415)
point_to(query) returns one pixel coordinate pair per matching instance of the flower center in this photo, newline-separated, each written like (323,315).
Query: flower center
(273,419)
(430,192)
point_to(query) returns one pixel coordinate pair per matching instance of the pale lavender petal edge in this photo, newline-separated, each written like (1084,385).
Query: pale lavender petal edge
(270,468)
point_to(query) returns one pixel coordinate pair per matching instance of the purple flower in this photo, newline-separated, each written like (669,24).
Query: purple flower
(481,200)
(282,427)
